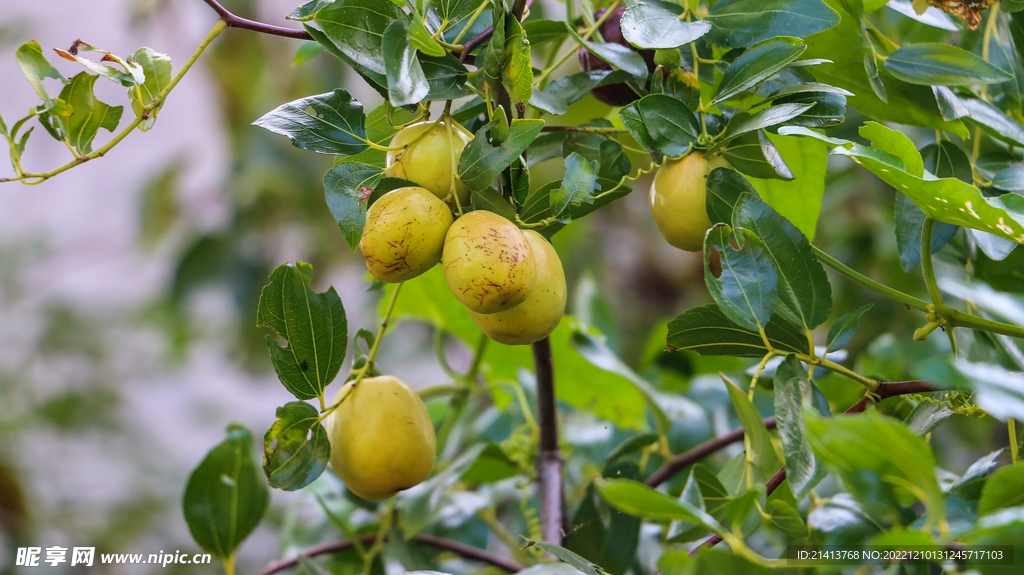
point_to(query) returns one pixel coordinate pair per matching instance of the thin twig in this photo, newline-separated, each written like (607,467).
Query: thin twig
(424,539)
(884,391)
(699,452)
(234,21)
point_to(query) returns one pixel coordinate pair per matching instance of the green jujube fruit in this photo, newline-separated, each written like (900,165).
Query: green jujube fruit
(404,234)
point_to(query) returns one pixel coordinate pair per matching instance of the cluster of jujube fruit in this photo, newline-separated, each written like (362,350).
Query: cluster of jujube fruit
(511,280)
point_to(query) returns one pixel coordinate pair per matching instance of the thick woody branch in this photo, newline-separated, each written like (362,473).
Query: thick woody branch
(234,21)
(884,391)
(430,540)
(549,459)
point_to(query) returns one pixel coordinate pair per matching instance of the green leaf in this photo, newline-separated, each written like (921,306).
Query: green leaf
(422,40)
(489,199)
(356,28)
(784,517)
(380,131)
(999,171)
(791,395)
(996,390)
(226,496)
(481,161)
(843,329)
(579,182)
(869,447)
(994,122)
(616,55)
(36,67)
(652,27)
(157,68)
(743,23)
(707,331)
(754,154)
(517,74)
(603,535)
(753,424)
(895,143)
(543,31)
(331,123)
(950,105)
(828,109)
(446,77)
(941,64)
(348,187)
(637,499)
(744,123)
(945,160)
(807,87)
(663,125)
(581,564)
(406,82)
(757,64)
(309,10)
(567,90)
(454,14)
(1004,489)
(745,288)
(314,325)
(375,80)
(799,199)
(804,294)
(89,114)
(295,448)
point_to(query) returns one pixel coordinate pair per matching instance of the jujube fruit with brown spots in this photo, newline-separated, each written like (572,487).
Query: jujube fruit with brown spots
(539,314)
(382,439)
(487,262)
(429,161)
(404,234)
(678,199)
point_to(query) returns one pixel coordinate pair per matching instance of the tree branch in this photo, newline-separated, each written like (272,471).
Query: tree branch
(885,390)
(549,459)
(234,21)
(699,452)
(424,539)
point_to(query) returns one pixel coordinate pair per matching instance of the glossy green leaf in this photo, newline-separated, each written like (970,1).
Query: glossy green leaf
(757,64)
(36,67)
(944,160)
(579,563)
(994,122)
(707,331)
(950,105)
(489,199)
(652,27)
(1004,489)
(661,124)
(579,183)
(941,64)
(348,188)
(828,109)
(786,518)
(308,10)
(331,123)
(869,450)
(567,90)
(805,295)
(745,288)
(543,31)
(803,471)
(1001,172)
(895,143)
(843,330)
(422,40)
(618,56)
(798,199)
(90,114)
(517,74)
(446,77)
(314,325)
(762,450)
(754,154)
(744,123)
(157,68)
(637,499)
(226,495)
(374,79)
(406,82)
(356,28)
(481,161)
(603,535)
(295,448)
(743,23)
(454,15)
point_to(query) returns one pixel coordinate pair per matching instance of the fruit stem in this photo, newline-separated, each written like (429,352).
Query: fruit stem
(454,161)
(1011,428)
(864,281)
(370,356)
